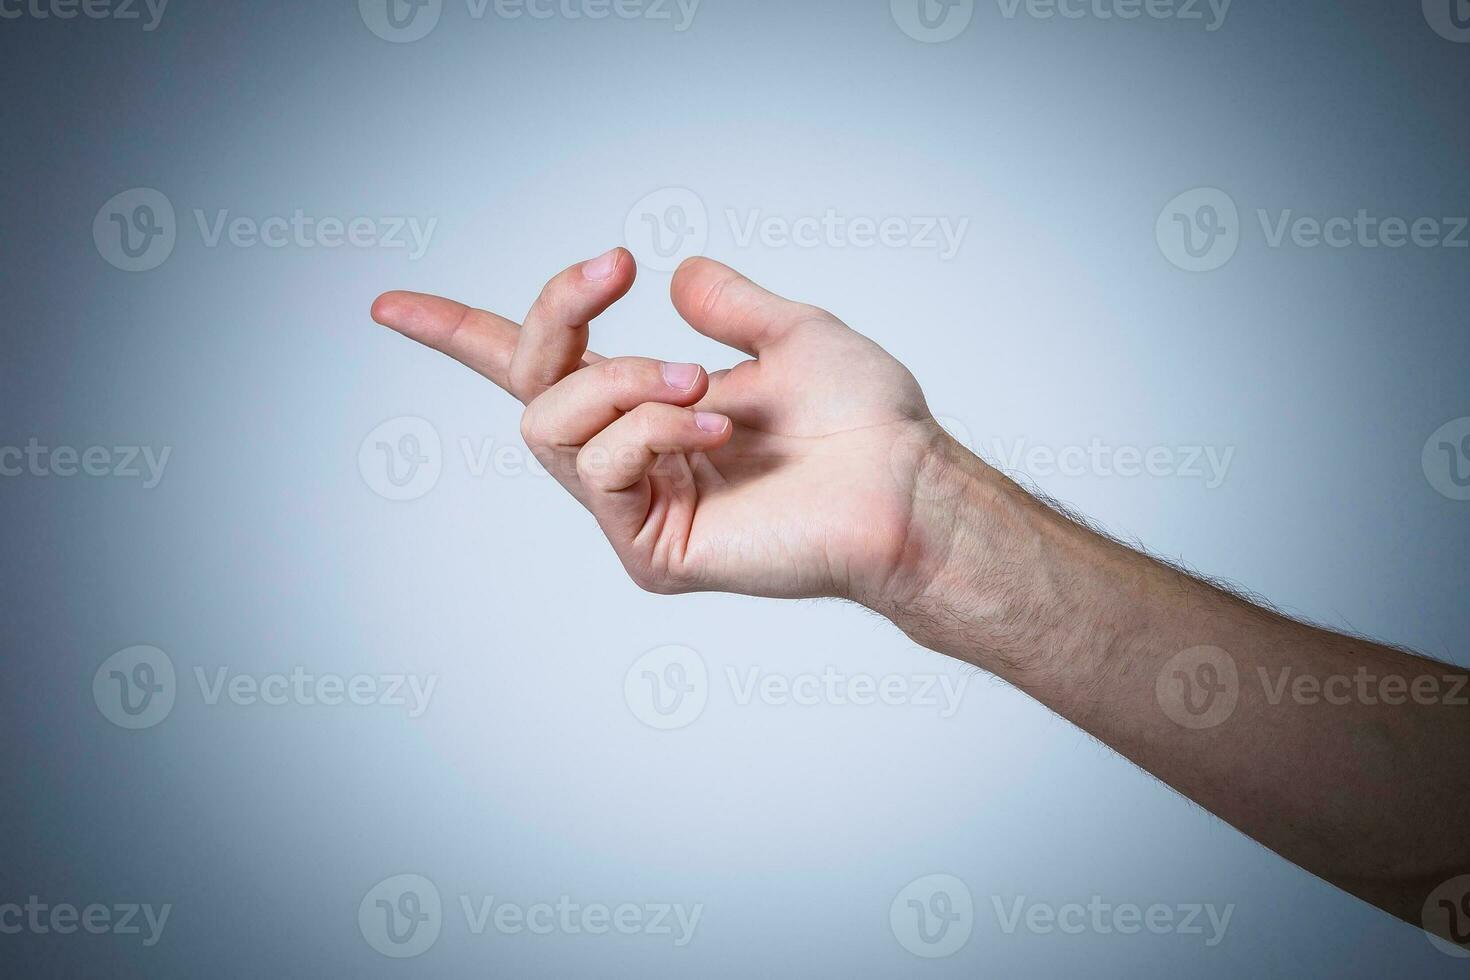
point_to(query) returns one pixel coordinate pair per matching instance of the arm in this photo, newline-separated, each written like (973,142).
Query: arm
(1340,755)
(814,468)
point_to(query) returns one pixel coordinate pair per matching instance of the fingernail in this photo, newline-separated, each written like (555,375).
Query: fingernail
(601,267)
(710,422)
(681,377)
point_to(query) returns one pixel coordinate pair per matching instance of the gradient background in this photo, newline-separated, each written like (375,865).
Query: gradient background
(529,141)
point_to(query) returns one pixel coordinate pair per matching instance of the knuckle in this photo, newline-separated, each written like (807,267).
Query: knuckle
(646,417)
(615,372)
(714,294)
(531,430)
(593,467)
(805,313)
(549,304)
(649,581)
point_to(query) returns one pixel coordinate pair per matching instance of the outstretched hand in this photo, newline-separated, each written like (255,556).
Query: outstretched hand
(792,474)
(815,469)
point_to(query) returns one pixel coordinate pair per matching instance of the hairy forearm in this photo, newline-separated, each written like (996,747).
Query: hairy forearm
(1344,756)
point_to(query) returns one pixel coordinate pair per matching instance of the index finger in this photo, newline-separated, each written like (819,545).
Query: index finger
(481,341)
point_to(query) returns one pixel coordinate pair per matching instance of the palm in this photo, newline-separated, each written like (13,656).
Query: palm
(811,495)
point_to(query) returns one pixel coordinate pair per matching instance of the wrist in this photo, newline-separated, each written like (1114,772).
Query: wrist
(991,575)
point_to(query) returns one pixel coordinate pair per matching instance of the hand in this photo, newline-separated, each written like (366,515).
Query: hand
(815,469)
(794,474)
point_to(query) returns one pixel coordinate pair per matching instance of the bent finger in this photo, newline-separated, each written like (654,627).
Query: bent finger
(554,336)
(614,466)
(584,403)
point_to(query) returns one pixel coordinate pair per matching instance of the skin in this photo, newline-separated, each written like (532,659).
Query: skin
(814,468)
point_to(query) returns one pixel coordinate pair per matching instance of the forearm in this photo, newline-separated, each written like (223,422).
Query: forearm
(1343,756)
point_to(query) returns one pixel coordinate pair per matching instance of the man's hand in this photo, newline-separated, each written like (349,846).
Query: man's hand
(792,474)
(815,469)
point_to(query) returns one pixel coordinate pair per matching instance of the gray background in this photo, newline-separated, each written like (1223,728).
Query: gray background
(529,777)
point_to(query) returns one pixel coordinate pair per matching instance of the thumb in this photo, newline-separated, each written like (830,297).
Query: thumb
(725,306)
